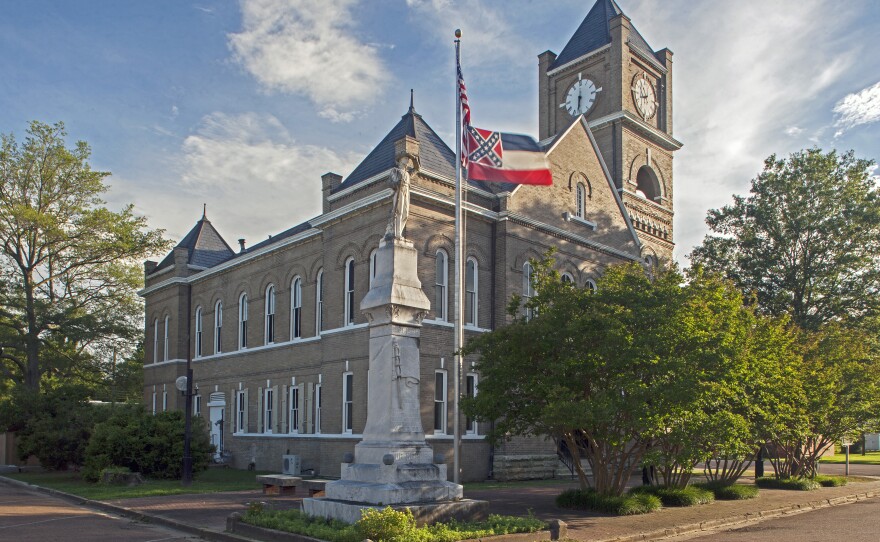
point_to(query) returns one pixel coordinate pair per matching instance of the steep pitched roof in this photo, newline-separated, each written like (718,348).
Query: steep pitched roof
(435,156)
(204,244)
(595,32)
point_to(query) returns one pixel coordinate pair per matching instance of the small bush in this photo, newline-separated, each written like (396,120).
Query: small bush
(795,484)
(623,505)
(387,525)
(677,496)
(831,481)
(731,492)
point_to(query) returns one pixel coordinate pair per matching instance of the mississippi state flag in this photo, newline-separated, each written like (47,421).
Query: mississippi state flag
(506,158)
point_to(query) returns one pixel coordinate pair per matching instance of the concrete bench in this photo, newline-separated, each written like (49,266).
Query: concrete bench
(314,486)
(278,484)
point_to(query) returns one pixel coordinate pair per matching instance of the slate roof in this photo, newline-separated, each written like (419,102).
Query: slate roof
(434,155)
(205,246)
(594,32)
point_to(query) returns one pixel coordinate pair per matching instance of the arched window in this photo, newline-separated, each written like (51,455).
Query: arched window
(218,327)
(591,284)
(156,340)
(242,321)
(441,282)
(528,289)
(647,184)
(165,340)
(581,200)
(319,302)
(567,278)
(199,333)
(270,315)
(373,266)
(349,292)
(296,308)
(471,299)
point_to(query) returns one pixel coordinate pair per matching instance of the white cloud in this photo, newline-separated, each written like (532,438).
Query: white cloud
(794,131)
(309,47)
(861,107)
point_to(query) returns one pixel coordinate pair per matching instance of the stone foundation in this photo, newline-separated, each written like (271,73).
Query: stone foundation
(525,467)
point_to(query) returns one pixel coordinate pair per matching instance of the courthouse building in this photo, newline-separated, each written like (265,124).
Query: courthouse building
(278,345)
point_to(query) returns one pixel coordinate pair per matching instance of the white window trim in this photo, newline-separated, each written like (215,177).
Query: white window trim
(295,308)
(199,333)
(197,405)
(268,413)
(293,404)
(348,270)
(165,340)
(476,426)
(569,276)
(155,342)
(373,255)
(154,403)
(528,291)
(347,406)
(580,200)
(475,307)
(269,317)
(240,411)
(442,312)
(218,327)
(164,401)
(318,408)
(444,414)
(242,321)
(319,302)
(591,284)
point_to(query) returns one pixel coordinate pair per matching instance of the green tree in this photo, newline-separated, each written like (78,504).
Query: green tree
(805,240)
(69,267)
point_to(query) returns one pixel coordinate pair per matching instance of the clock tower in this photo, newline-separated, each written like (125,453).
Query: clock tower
(608,73)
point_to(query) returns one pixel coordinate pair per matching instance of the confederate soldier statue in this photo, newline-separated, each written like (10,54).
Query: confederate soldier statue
(399,181)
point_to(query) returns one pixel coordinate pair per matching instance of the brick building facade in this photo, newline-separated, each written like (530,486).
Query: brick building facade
(278,346)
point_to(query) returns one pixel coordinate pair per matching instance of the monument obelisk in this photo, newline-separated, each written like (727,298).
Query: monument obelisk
(393,464)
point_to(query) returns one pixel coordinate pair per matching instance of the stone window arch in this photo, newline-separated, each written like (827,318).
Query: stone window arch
(647,184)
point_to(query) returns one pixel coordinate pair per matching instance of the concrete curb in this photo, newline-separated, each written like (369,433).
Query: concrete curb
(741,519)
(207,534)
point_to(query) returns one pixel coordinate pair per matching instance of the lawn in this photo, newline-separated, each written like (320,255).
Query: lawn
(870,458)
(210,481)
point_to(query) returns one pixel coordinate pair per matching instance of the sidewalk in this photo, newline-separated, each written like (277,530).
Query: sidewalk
(206,514)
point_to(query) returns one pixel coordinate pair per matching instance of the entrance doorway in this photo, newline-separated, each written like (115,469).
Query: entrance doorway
(217,416)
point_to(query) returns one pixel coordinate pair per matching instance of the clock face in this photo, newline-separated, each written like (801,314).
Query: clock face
(580,97)
(644,96)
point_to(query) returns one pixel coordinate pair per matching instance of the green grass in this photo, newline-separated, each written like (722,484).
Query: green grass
(623,505)
(731,492)
(796,484)
(870,458)
(209,481)
(676,496)
(831,481)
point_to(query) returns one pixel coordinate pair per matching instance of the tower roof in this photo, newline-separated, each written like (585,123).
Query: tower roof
(435,156)
(595,32)
(205,247)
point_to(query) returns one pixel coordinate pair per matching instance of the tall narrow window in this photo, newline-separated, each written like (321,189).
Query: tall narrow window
(471,300)
(242,321)
(441,282)
(240,412)
(296,308)
(165,340)
(373,266)
(581,200)
(317,408)
(470,391)
(156,340)
(218,327)
(440,402)
(294,410)
(164,400)
(199,333)
(349,292)
(319,302)
(197,405)
(528,289)
(270,314)
(347,402)
(268,406)
(154,403)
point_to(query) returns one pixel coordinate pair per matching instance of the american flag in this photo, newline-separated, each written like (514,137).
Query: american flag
(465,116)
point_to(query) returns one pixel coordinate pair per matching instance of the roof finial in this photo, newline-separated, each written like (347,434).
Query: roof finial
(412,108)
(204,211)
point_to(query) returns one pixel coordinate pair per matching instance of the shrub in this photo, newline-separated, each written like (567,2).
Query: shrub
(731,492)
(677,496)
(831,481)
(149,444)
(796,484)
(387,525)
(622,505)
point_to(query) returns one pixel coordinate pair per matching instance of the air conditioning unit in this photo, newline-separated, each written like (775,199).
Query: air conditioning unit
(290,464)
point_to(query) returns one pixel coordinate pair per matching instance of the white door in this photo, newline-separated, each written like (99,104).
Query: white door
(217,414)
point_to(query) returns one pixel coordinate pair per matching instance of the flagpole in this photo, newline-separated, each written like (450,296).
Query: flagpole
(458,335)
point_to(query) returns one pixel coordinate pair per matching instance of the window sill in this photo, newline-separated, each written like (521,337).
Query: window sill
(569,217)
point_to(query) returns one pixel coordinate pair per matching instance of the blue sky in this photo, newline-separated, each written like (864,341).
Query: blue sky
(243,105)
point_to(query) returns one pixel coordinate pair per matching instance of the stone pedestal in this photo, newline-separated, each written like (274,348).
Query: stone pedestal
(393,464)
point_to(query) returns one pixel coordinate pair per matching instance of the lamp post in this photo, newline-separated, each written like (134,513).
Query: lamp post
(184,384)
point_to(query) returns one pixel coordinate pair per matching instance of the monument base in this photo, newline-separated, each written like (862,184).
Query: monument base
(424,513)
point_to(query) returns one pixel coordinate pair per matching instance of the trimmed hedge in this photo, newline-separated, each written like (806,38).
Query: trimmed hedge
(831,481)
(623,505)
(731,492)
(795,484)
(677,496)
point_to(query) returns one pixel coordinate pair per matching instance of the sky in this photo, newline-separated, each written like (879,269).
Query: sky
(244,105)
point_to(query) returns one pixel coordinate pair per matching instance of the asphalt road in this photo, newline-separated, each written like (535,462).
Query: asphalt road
(854,522)
(27,515)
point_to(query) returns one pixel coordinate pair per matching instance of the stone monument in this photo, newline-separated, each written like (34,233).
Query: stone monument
(394,465)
